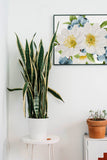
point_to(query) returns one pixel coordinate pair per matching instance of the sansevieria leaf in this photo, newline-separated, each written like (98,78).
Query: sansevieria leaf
(14,89)
(24,105)
(20,49)
(24,97)
(41,55)
(28,63)
(22,65)
(50,55)
(35,72)
(25,88)
(36,101)
(31,50)
(31,47)
(55,94)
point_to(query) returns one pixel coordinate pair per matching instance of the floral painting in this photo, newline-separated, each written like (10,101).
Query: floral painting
(81,39)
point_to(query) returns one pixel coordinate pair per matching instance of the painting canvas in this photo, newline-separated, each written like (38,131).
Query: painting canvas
(81,39)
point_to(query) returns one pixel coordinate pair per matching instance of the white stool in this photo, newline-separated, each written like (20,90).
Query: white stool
(50,141)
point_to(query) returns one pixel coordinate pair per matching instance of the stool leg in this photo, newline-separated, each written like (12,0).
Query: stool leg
(32,152)
(26,153)
(35,150)
(52,150)
(49,151)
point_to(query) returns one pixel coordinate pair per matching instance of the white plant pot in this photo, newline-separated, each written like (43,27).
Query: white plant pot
(37,128)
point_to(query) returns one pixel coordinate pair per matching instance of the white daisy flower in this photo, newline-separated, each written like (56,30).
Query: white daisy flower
(70,41)
(95,40)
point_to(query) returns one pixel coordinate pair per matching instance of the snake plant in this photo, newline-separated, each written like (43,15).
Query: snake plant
(35,72)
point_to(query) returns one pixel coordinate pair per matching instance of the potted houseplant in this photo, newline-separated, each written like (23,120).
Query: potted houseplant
(35,71)
(97,124)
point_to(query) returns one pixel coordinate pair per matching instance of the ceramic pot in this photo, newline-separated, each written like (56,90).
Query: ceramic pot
(96,129)
(37,128)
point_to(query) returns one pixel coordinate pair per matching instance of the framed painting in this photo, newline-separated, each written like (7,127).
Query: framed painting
(81,39)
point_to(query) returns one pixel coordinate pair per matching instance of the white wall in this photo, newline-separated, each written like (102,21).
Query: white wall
(82,87)
(3,78)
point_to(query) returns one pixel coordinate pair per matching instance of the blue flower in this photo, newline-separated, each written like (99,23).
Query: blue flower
(70,27)
(79,25)
(106,54)
(105,58)
(83,50)
(74,22)
(101,58)
(79,18)
(69,61)
(106,36)
(105,48)
(82,20)
(65,60)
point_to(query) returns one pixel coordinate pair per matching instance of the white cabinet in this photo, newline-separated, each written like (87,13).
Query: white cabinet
(94,148)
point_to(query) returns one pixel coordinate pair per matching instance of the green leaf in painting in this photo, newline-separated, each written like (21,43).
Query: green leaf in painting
(105,29)
(103,24)
(56,40)
(55,44)
(80,25)
(90,57)
(71,58)
(67,23)
(77,56)
(60,51)
(71,18)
